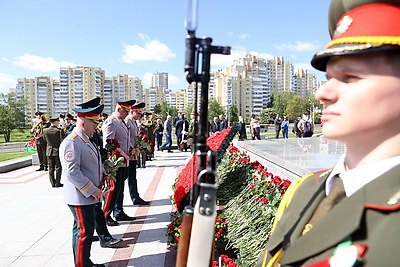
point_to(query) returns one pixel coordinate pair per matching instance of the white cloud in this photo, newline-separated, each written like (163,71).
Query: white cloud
(152,50)
(224,61)
(173,80)
(299,46)
(42,64)
(6,82)
(261,55)
(303,66)
(146,79)
(243,36)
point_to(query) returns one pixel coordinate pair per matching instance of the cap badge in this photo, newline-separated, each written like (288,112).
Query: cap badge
(343,25)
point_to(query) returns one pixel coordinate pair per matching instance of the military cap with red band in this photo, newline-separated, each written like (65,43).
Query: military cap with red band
(361,26)
(126,104)
(138,107)
(89,113)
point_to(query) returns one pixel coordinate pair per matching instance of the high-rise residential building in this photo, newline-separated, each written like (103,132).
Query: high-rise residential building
(125,87)
(38,94)
(82,84)
(159,80)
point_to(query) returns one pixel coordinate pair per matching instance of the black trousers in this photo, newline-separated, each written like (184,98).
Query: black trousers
(132,181)
(82,233)
(116,203)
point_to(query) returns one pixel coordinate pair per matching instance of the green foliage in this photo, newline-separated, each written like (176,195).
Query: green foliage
(233,114)
(296,106)
(267,116)
(167,110)
(280,101)
(214,109)
(188,111)
(11,115)
(157,109)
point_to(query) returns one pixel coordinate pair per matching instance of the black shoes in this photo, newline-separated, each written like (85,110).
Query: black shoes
(95,238)
(111,222)
(124,217)
(140,201)
(170,151)
(46,169)
(40,169)
(112,243)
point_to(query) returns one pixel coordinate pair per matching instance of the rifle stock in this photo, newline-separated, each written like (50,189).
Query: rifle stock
(184,240)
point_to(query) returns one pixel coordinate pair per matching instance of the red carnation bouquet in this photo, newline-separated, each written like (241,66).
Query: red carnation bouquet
(142,144)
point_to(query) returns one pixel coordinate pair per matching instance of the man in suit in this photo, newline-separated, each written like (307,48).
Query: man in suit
(53,137)
(135,114)
(115,128)
(214,127)
(350,215)
(81,162)
(167,134)
(223,123)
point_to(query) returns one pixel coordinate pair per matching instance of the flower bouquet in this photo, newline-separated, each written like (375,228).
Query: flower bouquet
(112,161)
(142,144)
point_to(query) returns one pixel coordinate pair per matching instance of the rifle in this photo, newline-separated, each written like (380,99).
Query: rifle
(197,234)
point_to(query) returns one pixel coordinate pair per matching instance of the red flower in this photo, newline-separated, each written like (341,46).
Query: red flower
(177,238)
(264,200)
(252,186)
(285,184)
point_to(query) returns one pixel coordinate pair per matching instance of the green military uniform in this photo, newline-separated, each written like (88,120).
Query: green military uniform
(54,136)
(37,131)
(367,211)
(362,228)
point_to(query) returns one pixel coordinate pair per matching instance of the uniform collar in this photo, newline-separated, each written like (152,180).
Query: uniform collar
(366,173)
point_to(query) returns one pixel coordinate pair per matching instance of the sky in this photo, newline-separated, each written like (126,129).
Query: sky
(141,37)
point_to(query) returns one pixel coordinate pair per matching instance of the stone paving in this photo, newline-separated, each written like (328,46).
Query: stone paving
(37,226)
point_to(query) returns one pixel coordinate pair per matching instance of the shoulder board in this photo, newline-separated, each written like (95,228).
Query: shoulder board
(72,135)
(112,118)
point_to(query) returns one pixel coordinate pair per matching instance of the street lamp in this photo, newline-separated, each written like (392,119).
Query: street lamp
(311,111)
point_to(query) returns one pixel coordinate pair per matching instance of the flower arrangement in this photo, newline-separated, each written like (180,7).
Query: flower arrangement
(251,213)
(142,144)
(224,261)
(174,229)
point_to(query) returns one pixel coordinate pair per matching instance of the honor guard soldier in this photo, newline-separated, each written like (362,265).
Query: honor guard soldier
(350,215)
(37,131)
(81,176)
(135,114)
(115,128)
(53,137)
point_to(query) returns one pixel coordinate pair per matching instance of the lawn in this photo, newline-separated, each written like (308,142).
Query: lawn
(18,136)
(13,155)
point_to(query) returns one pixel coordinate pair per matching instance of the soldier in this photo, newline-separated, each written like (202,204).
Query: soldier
(115,128)
(104,236)
(37,131)
(350,215)
(192,131)
(135,114)
(81,162)
(53,137)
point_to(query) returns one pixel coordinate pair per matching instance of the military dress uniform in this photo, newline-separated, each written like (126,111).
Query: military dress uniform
(54,136)
(104,236)
(81,162)
(362,229)
(115,128)
(132,178)
(37,131)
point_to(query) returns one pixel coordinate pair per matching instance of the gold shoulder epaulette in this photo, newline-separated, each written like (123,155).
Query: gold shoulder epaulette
(112,118)
(72,135)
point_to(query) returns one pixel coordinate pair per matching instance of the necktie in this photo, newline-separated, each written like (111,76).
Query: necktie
(336,194)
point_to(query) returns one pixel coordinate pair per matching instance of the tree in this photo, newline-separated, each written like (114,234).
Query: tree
(267,115)
(157,109)
(11,115)
(233,114)
(188,111)
(167,110)
(280,101)
(214,109)
(296,106)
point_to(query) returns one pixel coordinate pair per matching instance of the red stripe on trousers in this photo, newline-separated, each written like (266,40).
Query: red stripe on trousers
(81,238)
